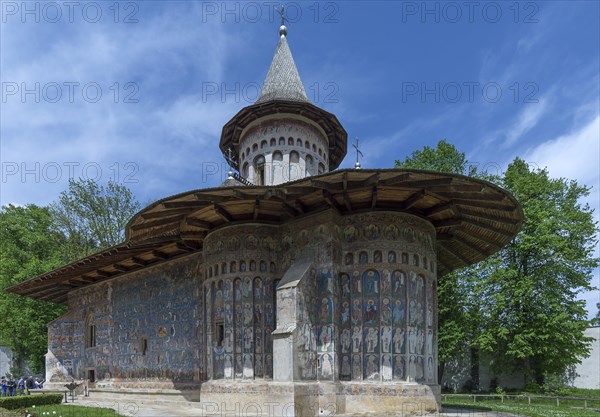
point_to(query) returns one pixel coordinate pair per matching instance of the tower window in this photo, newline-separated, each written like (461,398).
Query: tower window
(259,169)
(290,141)
(277,156)
(294,157)
(273,142)
(254,147)
(307,145)
(281,141)
(263,144)
(298,143)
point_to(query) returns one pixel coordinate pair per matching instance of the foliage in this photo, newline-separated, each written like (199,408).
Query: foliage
(445,157)
(29,248)
(92,216)
(86,218)
(22,401)
(521,304)
(531,318)
(545,408)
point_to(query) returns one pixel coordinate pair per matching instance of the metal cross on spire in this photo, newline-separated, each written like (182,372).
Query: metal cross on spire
(282,28)
(358,154)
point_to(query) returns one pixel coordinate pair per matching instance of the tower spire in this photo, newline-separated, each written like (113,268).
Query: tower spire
(283,80)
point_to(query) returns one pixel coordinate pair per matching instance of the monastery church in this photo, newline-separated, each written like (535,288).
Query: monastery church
(295,287)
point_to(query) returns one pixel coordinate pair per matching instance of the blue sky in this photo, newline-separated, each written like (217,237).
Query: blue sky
(146,86)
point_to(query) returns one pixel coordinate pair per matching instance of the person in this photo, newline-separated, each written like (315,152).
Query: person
(86,392)
(29,385)
(21,385)
(11,386)
(4,387)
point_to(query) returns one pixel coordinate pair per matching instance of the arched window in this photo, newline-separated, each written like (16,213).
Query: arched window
(90,332)
(281,141)
(259,170)
(291,141)
(309,164)
(424,262)
(232,267)
(314,148)
(307,145)
(263,144)
(321,168)
(245,170)
(216,270)
(254,147)
(248,151)
(363,258)
(320,152)
(224,268)
(416,260)
(277,156)
(243,155)
(273,142)
(299,143)
(294,157)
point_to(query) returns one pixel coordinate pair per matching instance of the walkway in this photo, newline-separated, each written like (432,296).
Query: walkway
(133,409)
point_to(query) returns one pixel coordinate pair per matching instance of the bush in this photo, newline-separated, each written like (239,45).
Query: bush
(13,403)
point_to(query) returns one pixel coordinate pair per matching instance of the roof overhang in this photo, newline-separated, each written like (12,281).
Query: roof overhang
(473,219)
(337,136)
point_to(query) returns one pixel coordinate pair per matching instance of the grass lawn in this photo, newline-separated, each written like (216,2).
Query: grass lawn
(61,411)
(541,410)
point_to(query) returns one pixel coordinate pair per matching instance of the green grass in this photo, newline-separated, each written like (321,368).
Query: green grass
(522,408)
(67,411)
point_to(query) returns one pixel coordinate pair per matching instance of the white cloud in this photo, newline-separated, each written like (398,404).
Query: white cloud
(574,155)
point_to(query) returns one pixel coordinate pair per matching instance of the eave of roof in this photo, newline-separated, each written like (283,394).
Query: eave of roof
(473,219)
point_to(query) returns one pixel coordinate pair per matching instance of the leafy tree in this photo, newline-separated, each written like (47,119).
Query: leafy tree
(86,218)
(521,303)
(532,318)
(29,248)
(92,216)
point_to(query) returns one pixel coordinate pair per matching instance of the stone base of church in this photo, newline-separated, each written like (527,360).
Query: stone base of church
(317,398)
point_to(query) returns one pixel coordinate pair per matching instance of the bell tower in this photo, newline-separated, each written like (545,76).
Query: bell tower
(283,136)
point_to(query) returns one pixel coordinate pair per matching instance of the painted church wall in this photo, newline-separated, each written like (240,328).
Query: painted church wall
(145,326)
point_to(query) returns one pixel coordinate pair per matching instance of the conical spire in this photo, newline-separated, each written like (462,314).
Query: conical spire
(283,81)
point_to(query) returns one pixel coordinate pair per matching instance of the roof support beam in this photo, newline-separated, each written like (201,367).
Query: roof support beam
(222,213)
(374,197)
(413,199)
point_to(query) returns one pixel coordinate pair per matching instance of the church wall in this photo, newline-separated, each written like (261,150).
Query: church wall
(242,271)
(388,317)
(159,304)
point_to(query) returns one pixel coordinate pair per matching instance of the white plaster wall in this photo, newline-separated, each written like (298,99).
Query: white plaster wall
(252,145)
(588,371)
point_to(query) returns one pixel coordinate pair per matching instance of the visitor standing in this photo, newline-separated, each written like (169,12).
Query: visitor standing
(4,387)
(86,392)
(11,385)
(21,385)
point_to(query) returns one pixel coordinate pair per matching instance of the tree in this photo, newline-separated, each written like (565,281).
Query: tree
(532,319)
(92,216)
(29,248)
(86,218)
(521,303)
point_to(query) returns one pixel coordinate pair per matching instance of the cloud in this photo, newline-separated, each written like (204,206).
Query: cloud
(574,155)
(526,120)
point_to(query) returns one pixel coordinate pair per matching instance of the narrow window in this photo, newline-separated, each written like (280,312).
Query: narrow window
(91,335)
(144,346)
(259,167)
(219,333)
